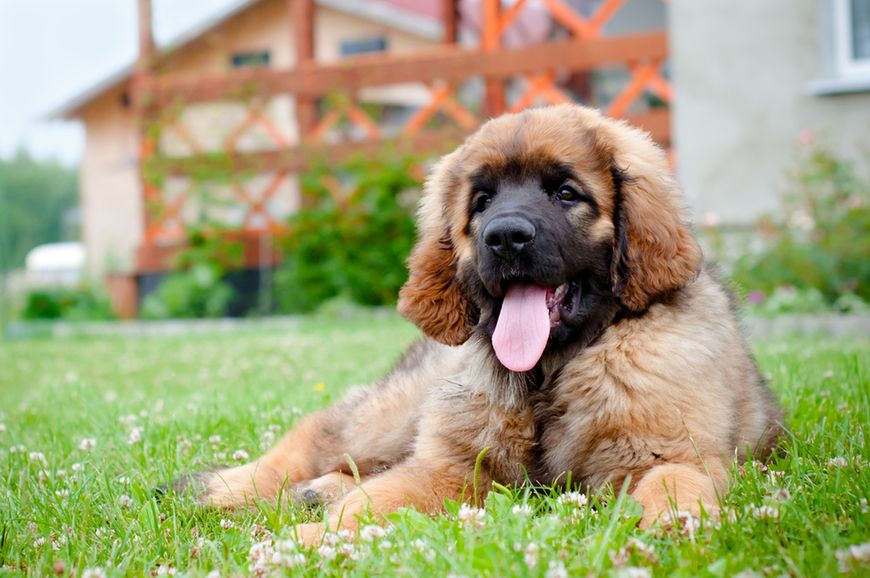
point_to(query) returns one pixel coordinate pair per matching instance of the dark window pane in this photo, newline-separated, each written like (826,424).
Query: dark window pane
(860,29)
(250,59)
(364,45)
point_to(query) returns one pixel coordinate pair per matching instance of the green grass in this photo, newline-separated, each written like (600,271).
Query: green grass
(248,387)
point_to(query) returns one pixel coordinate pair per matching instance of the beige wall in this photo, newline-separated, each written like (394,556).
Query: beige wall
(111,197)
(108,180)
(742,72)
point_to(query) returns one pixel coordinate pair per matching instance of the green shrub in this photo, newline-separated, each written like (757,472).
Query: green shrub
(351,246)
(198,290)
(73,304)
(823,239)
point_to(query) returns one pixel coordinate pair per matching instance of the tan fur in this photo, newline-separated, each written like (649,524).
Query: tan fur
(665,397)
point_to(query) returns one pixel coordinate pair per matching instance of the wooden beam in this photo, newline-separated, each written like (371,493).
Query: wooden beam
(490,41)
(146,36)
(450,19)
(154,258)
(302,14)
(446,62)
(298,159)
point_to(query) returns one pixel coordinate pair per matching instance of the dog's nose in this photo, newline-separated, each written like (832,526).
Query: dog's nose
(508,236)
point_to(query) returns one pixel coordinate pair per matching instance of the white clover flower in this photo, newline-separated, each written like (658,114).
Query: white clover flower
(39,543)
(331,539)
(763,512)
(125,501)
(2,427)
(556,570)
(523,510)
(88,444)
(577,499)
(61,474)
(530,555)
(838,462)
(77,467)
(38,457)
(240,455)
(852,556)
(635,572)
(135,436)
(43,475)
(124,480)
(62,493)
(683,521)
(93,573)
(214,440)
(471,517)
(226,524)
(371,533)
(327,552)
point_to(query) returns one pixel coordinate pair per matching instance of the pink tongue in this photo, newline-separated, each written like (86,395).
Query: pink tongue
(523,327)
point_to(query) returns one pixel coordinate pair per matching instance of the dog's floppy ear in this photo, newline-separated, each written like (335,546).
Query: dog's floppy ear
(432,297)
(654,251)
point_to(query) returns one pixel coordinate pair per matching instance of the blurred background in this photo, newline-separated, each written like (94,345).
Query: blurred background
(218,158)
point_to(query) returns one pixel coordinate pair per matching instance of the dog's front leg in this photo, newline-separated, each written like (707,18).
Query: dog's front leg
(681,487)
(416,483)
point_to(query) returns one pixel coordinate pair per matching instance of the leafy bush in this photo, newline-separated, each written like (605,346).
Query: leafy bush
(78,304)
(350,244)
(199,289)
(822,242)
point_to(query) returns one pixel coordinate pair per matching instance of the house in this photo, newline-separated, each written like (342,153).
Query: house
(252,33)
(750,79)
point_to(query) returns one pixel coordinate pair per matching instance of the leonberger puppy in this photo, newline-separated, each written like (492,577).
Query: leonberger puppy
(572,332)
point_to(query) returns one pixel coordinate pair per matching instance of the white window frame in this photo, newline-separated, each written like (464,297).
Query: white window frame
(841,72)
(847,65)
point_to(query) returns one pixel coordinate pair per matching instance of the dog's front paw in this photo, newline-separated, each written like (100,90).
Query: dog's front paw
(310,534)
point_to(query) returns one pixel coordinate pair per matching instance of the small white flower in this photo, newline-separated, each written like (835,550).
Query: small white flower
(371,533)
(61,474)
(43,475)
(124,480)
(93,573)
(61,493)
(125,501)
(17,449)
(135,435)
(853,556)
(530,555)
(226,524)
(577,499)
(471,517)
(556,570)
(763,512)
(213,574)
(2,427)
(523,510)
(127,420)
(39,542)
(88,444)
(37,457)
(634,572)
(77,467)
(327,552)
(681,520)
(240,455)
(214,440)
(838,462)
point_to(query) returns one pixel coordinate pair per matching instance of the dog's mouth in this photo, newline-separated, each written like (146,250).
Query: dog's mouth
(528,314)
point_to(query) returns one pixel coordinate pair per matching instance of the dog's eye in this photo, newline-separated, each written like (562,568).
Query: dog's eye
(480,202)
(567,194)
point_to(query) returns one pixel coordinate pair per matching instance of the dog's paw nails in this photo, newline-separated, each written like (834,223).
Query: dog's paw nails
(193,485)
(310,534)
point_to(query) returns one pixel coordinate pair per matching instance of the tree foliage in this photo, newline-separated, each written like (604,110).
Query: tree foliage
(35,196)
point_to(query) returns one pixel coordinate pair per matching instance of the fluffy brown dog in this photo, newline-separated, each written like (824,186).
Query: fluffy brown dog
(572,328)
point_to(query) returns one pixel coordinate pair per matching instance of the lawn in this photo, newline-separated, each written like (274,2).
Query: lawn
(88,426)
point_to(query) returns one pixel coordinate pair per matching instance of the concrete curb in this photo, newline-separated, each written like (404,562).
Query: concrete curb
(757,328)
